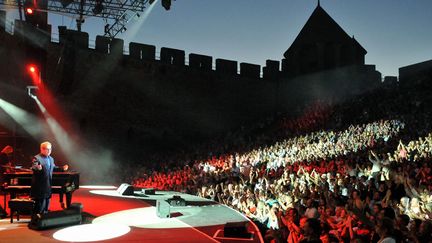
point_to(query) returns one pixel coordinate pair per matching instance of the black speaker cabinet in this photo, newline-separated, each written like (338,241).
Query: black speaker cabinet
(148,191)
(176,201)
(55,219)
(236,230)
(77,207)
(125,189)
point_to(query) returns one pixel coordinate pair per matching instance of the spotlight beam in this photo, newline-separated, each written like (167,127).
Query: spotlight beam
(133,30)
(30,123)
(101,160)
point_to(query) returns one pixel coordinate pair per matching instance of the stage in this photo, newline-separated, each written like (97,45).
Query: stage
(111,217)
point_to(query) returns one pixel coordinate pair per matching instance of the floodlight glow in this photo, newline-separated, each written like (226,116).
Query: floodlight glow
(91,232)
(30,123)
(98,187)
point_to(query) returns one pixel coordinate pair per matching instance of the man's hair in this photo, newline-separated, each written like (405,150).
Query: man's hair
(387,224)
(378,205)
(45,144)
(405,219)
(389,213)
(315,225)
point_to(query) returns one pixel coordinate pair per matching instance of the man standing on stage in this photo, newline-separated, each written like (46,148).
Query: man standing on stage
(43,167)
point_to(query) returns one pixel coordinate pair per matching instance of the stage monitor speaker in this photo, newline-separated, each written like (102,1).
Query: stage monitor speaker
(148,191)
(125,189)
(121,187)
(176,201)
(236,230)
(163,209)
(55,219)
(77,207)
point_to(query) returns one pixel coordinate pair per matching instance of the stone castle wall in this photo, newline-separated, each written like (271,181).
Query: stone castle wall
(150,104)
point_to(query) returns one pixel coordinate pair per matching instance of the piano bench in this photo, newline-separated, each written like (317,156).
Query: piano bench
(20,206)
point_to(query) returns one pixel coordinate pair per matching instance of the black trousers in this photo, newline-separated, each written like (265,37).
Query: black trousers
(3,213)
(41,205)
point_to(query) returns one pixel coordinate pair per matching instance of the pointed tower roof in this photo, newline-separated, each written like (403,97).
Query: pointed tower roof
(320,27)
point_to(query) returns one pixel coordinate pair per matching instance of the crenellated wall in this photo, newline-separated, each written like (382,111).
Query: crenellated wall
(146,104)
(200,62)
(172,56)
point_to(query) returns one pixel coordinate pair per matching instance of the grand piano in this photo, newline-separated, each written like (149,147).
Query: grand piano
(63,183)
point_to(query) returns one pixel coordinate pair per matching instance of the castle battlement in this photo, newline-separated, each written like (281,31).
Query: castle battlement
(141,51)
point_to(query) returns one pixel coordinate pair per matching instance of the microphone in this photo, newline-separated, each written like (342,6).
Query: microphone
(36,164)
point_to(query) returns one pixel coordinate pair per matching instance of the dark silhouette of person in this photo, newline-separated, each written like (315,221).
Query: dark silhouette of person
(5,158)
(4,167)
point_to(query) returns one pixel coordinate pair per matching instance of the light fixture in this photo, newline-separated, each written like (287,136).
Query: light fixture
(107,27)
(29,10)
(30,90)
(65,3)
(32,69)
(166,4)
(98,7)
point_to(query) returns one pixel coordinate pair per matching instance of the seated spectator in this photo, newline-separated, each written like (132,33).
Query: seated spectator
(385,230)
(311,231)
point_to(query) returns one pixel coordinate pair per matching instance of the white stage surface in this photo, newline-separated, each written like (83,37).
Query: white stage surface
(198,212)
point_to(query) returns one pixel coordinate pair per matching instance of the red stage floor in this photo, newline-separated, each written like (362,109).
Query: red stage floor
(107,215)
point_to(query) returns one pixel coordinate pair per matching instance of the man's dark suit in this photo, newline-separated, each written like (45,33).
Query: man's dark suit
(41,182)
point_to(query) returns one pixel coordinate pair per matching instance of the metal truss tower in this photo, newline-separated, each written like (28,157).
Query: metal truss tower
(116,13)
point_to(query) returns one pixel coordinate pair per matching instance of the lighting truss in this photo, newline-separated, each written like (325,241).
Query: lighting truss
(116,13)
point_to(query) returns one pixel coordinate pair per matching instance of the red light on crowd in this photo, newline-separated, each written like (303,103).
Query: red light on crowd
(29,10)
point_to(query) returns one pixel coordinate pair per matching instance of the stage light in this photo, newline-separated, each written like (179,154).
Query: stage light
(29,11)
(98,7)
(166,4)
(66,3)
(107,28)
(34,73)
(32,68)
(34,13)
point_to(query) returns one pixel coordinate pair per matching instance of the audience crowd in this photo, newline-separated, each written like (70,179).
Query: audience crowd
(353,172)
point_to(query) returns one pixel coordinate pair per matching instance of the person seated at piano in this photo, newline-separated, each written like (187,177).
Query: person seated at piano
(5,161)
(43,168)
(5,166)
